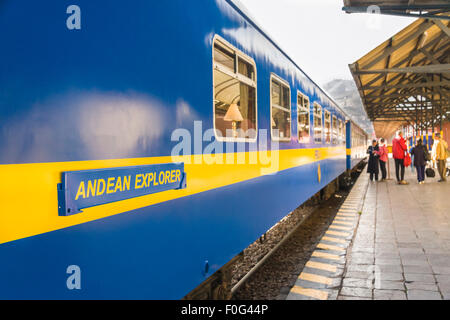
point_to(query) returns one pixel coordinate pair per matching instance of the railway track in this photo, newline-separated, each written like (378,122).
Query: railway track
(274,273)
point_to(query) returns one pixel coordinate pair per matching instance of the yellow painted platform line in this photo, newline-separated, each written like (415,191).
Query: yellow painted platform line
(315,278)
(312,293)
(344,218)
(345,215)
(332,239)
(343,223)
(347,210)
(321,266)
(325,255)
(340,227)
(340,219)
(325,246)
(338,233)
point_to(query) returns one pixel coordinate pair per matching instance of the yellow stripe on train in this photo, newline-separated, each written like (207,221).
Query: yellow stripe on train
(29,203)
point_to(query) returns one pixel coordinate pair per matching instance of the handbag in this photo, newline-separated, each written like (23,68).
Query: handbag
(407,160)
(430,173)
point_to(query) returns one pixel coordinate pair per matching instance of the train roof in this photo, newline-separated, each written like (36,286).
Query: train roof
(241,9)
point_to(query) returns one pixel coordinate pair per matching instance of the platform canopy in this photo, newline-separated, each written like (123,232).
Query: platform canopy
(409,8)
(406,79)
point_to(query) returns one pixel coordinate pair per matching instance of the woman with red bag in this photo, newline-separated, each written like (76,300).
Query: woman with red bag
(399,149)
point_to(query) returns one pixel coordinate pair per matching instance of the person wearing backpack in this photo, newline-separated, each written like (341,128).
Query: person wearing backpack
(441,157)
(421,155)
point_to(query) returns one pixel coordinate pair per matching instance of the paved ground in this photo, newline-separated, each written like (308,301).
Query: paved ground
(387,242)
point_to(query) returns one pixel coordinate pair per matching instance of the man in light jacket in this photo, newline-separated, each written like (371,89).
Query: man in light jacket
(441,157)
(398,149)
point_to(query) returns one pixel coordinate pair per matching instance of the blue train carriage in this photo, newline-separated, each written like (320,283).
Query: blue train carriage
(357,144)
(126,144)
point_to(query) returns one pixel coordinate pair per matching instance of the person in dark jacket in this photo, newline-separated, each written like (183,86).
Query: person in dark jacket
(373,167)
(419,152)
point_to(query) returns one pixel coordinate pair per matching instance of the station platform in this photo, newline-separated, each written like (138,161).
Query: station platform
(387,242)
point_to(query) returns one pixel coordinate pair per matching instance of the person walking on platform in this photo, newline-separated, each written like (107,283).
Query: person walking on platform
(373,166)
(398,149)
(433,153)
(420,154)
(441,157)
(384,158)
(412,157)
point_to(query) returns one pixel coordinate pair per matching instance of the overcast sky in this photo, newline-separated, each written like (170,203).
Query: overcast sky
(319,36)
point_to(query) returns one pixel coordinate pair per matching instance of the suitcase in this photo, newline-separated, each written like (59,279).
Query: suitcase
(430,173)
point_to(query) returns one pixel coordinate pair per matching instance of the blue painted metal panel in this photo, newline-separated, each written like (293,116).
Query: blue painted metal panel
(348,143)
(119,90)
(156,252)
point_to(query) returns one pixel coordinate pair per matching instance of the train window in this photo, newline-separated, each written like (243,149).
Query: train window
(303,118)
(335,130)
(341,132)
(224,57)
(327,127)
(246,69)
(318,125)
(280,109)
(235,105)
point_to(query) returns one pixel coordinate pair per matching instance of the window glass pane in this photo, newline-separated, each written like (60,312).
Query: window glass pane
(281,120)
(341,132)
(224,57)
(317,124)
(276,93)
(246,69)
(229,91)
(303,120)
(334,125)
(286,98)
(327,127)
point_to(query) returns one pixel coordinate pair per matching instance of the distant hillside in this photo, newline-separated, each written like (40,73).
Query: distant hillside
(345,93)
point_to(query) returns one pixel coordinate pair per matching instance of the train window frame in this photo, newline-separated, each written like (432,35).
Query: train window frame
(325,126)
(340,132)
(239,55)
(276,78)
(342,139)
(334,134)
(308,109)
(320,108)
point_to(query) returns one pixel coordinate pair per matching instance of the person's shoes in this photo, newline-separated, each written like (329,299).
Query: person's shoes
(440,180)
(403,182)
